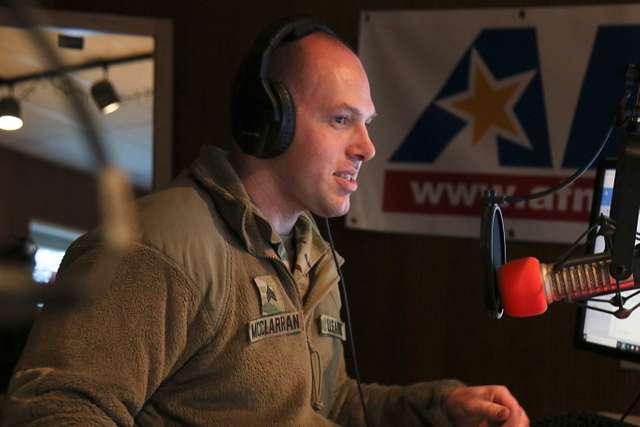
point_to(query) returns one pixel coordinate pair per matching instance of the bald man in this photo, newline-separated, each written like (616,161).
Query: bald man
(226,311)
(318,173)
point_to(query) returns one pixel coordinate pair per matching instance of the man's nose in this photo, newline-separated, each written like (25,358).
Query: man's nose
(363,147)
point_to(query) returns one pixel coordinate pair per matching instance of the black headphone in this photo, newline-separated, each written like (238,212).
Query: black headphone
(263,115)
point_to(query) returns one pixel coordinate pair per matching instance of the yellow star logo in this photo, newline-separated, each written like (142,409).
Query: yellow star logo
(488,104)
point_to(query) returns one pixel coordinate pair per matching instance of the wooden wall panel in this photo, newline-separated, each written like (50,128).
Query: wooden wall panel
(7,195)
(416,300)
(34,189)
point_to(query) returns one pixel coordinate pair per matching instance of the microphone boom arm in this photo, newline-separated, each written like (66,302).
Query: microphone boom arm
(626,191)
(625,205)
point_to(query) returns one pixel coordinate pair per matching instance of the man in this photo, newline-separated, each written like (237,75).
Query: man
(226,310)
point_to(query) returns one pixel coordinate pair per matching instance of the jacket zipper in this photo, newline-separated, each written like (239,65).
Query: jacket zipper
(314,355)
(316,390)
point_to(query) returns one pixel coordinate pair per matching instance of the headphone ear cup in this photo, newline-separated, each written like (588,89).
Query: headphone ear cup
(251,113)
(281,135)
(263,116)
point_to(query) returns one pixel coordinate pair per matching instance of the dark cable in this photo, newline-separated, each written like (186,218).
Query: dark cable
(628,411)
(609,245)
(345,301)
(563,184)
(565,257)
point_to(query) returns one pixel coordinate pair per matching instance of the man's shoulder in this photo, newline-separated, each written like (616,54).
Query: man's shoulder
(181,207)
(182,224)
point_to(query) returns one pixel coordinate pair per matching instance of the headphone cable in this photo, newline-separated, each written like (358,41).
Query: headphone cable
(345,300)
(630,408)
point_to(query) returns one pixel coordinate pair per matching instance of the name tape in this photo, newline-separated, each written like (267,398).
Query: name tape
(273,326)
(332,327)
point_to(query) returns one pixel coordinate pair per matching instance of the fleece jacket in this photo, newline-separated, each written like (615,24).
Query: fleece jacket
(203,322)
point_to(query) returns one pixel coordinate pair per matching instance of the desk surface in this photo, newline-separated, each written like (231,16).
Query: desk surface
(631,419)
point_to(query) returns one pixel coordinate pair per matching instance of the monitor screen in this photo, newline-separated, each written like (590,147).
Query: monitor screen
(600,331)
(52,242)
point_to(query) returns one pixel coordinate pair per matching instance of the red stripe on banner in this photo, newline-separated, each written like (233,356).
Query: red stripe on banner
(461,194)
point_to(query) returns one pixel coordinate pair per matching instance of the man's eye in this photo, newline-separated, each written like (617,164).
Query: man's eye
(341,120)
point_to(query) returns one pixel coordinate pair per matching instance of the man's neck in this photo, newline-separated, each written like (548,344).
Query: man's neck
(281,221)
(263,190)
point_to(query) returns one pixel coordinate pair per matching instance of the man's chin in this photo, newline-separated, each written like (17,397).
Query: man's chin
(333,211)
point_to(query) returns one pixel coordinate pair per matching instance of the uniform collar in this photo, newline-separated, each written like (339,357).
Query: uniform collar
(213,171)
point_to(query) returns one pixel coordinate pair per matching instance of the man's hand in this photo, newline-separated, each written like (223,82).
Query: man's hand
(484,406)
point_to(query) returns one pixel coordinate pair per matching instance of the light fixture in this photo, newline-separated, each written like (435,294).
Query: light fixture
(10,118)
(102,91)
(105,95)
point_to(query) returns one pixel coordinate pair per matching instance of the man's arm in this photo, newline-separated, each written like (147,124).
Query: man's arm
(420,404)
(435,403)
(97,363)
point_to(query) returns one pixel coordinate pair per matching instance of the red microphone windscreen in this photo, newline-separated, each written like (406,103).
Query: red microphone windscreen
(521,288)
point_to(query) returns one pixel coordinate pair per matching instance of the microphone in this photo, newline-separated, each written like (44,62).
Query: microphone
(528,286)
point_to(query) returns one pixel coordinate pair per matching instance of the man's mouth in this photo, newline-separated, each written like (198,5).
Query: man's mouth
(347,176)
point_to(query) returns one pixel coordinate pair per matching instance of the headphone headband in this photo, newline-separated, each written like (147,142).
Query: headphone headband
(283,31)
(262,110)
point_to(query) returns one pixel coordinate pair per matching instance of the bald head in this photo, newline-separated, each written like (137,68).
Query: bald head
(333,107)
(300,63)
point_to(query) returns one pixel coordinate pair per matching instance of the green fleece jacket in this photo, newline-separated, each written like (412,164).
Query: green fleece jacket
(202,323)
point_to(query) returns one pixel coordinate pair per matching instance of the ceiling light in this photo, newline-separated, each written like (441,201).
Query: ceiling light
(10,118)
(105,96)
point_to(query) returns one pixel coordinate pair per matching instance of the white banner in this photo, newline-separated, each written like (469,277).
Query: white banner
(511,99)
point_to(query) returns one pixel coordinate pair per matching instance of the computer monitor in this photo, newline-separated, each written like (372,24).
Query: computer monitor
(52,242)
(598,331)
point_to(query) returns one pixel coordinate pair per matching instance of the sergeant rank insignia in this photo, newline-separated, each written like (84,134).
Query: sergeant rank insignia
(332,327)
(270,300)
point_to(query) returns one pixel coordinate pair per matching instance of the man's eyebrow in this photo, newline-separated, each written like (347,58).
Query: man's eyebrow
(357,112)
